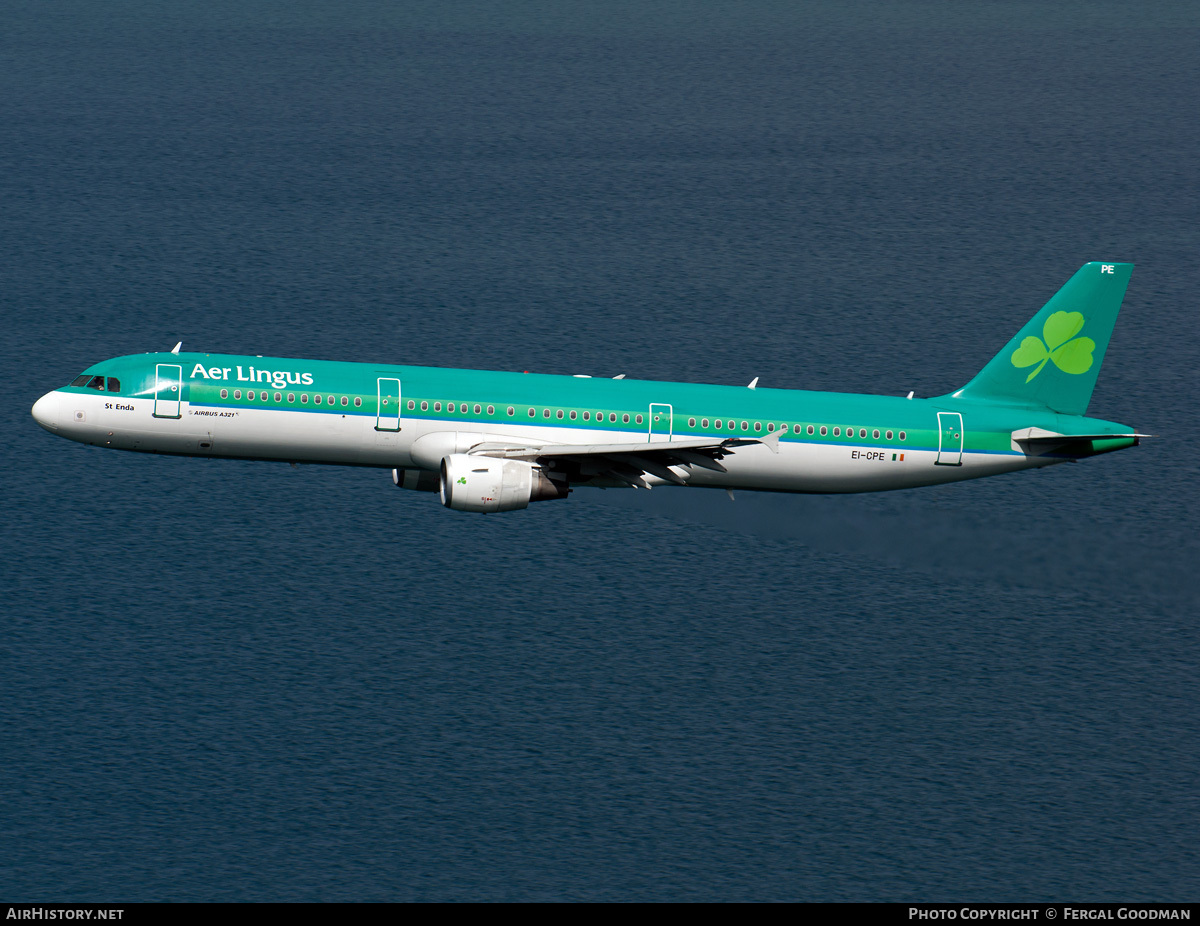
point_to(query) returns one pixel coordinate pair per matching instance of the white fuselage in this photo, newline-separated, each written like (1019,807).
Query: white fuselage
(295,435)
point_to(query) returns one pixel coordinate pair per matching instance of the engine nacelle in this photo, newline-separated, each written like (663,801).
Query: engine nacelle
(422,480)
(478,483)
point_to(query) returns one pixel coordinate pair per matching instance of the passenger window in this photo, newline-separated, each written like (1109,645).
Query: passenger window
(491,409)
(745,426)
(732,425)
(837,432)
(824,430)
(574,414)
(691,422)
(758,426)
(237,393)
(357,401)
(511,411)
(587,416)
(476,409)
(704,422)
(546,413)
(291,397)
(345,401)
(559,414)
(424,406)
(625,419)
(771,426)
(532,412)
(317,400)
(862,432)
(639,419)
(437,406)
(304,398)
(329,399)
(902,435)
(278,397)
(411,404)
(717,424)
(810,428)
(114,384)
(612,417)
(463,408)
(224,393)
(875,435)
(889,435)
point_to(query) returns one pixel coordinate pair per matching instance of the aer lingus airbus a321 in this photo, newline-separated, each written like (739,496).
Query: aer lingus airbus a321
(488,441)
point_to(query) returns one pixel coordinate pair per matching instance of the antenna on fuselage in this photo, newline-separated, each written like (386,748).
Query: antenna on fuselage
(175,349)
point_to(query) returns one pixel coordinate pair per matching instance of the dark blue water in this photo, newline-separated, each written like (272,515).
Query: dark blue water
(236,681)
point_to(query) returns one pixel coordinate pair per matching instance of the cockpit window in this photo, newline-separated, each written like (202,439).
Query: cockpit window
(114,384)
(80,380)
(96,382)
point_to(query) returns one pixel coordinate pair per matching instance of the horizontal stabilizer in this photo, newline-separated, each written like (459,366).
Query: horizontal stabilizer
(1040,435)
(1039,442)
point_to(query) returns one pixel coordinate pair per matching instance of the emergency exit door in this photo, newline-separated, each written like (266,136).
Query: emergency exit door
(387,411)
(660,423)
(950,440)
(168,389)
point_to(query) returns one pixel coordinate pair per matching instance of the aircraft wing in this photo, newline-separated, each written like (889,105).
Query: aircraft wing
(629,463)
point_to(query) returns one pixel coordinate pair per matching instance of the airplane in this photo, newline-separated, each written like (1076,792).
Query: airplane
(498,441)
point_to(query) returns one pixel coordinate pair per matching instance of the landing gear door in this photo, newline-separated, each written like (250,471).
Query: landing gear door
(950,439)
(168,387)
(660,423)
(387,415)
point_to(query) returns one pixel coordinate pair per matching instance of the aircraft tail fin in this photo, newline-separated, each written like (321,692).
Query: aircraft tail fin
(1054,360)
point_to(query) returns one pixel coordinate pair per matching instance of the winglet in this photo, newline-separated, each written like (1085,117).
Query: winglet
(753,383)
(175,349)
(771,441)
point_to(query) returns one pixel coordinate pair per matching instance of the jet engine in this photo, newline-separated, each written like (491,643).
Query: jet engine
(479,483)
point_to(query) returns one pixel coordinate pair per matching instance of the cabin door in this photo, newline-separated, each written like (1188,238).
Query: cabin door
(168,386)
(387,414)
(660,423)
(950,439)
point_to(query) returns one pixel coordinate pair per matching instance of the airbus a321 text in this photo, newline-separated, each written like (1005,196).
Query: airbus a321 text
(490,441)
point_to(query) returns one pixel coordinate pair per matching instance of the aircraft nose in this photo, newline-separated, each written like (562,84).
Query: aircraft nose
(45,411)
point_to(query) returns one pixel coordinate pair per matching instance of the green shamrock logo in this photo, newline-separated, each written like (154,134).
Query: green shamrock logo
(1070,354)
(462,480)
